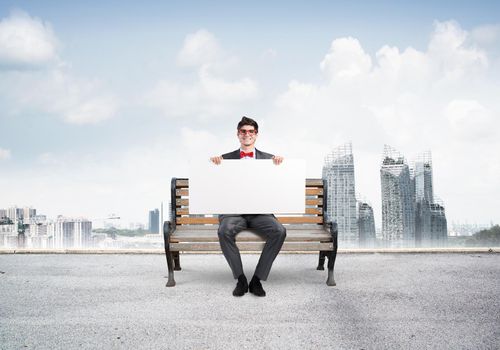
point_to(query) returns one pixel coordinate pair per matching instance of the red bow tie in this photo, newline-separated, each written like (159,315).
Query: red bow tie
(243,154)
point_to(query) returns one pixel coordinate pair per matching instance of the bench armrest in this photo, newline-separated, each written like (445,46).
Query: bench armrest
(168,228)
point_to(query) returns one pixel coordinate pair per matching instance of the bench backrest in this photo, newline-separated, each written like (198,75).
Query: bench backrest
(314,201)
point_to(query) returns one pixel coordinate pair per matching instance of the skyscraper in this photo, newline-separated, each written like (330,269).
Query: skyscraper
(422,181)
(422,173)
(430,219)
(17,214)
(70,233)
(154,221)
(338,171)
(439,224)
(366,225)
(398,209)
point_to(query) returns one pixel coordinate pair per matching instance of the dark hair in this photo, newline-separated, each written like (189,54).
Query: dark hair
(248,121)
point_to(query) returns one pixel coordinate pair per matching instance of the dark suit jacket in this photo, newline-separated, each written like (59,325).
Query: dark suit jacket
(258,155)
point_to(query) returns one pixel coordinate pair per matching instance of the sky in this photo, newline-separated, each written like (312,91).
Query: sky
(101,104)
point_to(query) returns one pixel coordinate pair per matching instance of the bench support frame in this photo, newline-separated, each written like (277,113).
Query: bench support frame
(167,230)
(333,254)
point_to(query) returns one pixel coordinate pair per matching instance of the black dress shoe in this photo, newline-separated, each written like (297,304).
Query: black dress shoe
(241,286)
(255,287)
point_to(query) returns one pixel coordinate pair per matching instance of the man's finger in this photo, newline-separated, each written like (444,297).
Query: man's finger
(277,160)
(216,160)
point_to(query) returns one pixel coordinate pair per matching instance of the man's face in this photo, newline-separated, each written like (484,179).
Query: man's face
(247,135)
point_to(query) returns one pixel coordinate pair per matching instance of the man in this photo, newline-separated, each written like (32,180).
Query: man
(264,225)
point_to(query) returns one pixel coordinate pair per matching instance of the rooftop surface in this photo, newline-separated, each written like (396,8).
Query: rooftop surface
(381,301)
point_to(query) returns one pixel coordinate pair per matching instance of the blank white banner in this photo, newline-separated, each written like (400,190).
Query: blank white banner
(247,187)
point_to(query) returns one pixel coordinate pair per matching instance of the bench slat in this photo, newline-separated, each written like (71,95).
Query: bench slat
(316,211)
(309,183)
(184,202)
(247,236)
(184,192)
(283,219)
(314,191)
(315,201)
(289,227)
(251,246)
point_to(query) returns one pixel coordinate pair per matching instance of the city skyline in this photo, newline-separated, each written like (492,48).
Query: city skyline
(100,126)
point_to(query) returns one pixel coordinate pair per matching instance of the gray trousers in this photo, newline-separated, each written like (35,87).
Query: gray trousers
(265,225)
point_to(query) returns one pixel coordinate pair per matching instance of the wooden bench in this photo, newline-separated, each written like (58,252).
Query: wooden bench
(308,232)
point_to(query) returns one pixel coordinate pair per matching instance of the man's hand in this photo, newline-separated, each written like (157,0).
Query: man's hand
(216,160)
(277,160)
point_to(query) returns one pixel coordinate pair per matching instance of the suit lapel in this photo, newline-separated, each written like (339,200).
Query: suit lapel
(258,154)
(234,155)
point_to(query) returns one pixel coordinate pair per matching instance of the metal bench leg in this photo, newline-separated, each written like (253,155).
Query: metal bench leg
(332,255)
(321,262)
(168,254)
(177,261)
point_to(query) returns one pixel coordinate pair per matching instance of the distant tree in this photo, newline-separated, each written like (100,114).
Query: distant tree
(489,237)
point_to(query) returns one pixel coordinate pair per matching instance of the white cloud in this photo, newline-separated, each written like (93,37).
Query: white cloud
(469,119)
(449,52)
(487,34)
(346,59)
(91,111)
(441,98)
(199,48)
(212,94)
(52,88)
(26,42)
(4,154)
(57,91)
(209,97)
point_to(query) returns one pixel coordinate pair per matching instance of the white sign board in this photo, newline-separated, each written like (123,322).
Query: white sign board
(247,187)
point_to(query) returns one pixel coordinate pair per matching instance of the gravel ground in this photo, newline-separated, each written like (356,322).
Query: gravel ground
(381,301)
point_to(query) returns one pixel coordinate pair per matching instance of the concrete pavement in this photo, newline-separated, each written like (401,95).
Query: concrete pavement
(381,301)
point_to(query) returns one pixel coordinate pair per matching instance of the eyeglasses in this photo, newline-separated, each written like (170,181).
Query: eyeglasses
(244,132)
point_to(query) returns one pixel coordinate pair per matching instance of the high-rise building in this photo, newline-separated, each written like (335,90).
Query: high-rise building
(430,218)
(28,213)
(70,233)
(421,174)
(398,203)
(8,234)
(439,225)
(366,225)
(17,214)
(338,171)
(154,221)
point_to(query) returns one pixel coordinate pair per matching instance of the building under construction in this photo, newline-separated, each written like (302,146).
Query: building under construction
(338,171)
(430,219)
(398,203)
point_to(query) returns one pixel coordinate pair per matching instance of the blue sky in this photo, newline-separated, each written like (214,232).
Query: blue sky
(101,103)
